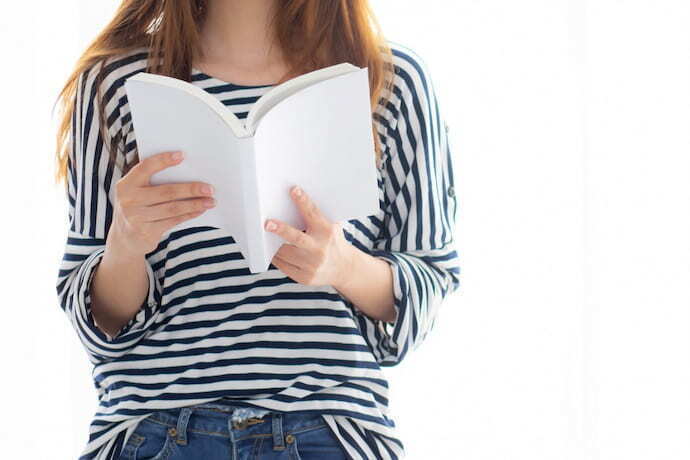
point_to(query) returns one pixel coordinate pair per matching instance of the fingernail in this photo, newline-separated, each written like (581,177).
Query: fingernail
(298,191)
(177,155)
(270,225)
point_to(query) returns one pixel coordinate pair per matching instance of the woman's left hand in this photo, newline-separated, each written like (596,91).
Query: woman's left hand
(318,256)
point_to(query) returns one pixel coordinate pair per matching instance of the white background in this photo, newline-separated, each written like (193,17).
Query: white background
(569,338)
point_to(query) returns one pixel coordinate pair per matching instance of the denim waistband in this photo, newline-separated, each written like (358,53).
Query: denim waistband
(214,418)
(237,412)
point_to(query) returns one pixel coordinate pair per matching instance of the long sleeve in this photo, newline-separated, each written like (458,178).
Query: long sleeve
(416,236)
(90,192)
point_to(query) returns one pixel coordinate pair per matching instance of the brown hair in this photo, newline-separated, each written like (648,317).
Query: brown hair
(312,33)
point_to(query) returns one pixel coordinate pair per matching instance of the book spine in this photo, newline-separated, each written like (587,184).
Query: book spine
(253,218)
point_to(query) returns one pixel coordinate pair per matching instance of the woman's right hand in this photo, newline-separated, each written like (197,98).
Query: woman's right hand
(143,212)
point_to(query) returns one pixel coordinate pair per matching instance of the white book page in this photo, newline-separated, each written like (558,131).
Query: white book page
(175,84)
(320,139)
(276,94)
(167,119)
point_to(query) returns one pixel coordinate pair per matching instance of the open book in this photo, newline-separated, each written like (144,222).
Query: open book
(314,131)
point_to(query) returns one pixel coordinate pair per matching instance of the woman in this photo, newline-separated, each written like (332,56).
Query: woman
(194,356)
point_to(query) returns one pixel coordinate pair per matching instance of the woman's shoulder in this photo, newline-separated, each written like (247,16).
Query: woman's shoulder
(411,84)
(113,71)
(407,59)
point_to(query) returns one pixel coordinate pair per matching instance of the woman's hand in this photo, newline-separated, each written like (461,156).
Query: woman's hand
(318,256)
(143,212)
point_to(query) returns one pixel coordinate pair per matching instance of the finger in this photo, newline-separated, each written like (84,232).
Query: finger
(286,267)
(177,208)
(141,173)
(291,234)
(294,255)
(164,225)
(154,194)
(311,213)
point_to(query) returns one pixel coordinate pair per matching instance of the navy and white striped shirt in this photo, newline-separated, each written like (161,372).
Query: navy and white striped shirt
(210,329)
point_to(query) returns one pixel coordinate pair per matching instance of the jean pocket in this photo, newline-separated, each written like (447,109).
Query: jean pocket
(131,447)
(316,443)
(151,441)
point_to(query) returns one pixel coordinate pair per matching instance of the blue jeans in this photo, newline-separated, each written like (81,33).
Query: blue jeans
(208,431)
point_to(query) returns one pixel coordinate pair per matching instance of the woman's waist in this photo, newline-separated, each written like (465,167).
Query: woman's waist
(220,416)
(265,369)
(304,391)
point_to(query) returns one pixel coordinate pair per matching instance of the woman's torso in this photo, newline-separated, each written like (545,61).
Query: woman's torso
(243,335)
(224,332)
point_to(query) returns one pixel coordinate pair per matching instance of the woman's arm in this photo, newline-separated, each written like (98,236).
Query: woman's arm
(90,192)
(416,237)
(119,287)
(369,285)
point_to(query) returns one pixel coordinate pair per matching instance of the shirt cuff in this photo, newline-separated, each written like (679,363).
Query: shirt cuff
(400,289)
(137,322)
(400,284)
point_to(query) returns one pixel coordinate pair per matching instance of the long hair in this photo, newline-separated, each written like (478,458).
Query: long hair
(312,34)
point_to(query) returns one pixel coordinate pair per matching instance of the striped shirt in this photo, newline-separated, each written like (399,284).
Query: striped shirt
(210,329)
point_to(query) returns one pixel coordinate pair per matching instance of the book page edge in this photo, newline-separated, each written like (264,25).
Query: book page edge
(214,104)
(304,80)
